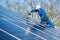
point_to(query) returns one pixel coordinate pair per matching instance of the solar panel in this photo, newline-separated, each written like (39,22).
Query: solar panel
(13,23)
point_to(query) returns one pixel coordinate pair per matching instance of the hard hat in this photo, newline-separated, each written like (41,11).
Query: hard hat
(38,7)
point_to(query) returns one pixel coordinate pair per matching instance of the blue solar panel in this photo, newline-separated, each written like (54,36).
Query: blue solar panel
(4,36)
(17,23)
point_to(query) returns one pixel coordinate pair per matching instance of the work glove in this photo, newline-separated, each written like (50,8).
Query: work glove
(29,13)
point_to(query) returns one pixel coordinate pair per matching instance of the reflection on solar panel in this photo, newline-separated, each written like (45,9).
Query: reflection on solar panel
(13,26)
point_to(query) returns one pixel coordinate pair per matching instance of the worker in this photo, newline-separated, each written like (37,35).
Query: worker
(43,17)
(45,21)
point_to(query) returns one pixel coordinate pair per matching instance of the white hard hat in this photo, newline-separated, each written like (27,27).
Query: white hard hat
(38,7)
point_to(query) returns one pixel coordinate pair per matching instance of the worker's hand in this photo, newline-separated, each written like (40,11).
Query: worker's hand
(29,13)
(39,21)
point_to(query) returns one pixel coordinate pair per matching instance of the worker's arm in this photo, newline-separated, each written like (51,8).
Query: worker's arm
(33,10)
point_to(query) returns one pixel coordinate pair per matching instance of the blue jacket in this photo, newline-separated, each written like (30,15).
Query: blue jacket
(42,14)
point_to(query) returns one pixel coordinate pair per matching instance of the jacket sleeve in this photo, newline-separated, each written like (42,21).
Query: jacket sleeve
(33,10)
